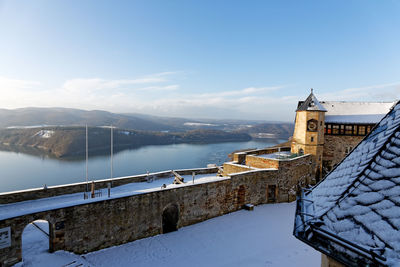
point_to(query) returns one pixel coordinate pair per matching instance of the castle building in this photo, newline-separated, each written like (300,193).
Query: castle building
(329,130)
(353,216)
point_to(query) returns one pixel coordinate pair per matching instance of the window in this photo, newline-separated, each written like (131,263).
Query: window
(341,129)
(348,129)
(328,128)
(355,130)
(312,139)
(368,129)
(335,129)
(361,130)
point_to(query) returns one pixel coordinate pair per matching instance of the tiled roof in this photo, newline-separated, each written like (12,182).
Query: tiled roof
(310,104)
(359,200)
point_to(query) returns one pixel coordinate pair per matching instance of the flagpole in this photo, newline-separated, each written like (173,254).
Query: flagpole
(87,157)
(112,152)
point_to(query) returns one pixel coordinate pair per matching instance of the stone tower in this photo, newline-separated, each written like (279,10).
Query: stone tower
(308,136)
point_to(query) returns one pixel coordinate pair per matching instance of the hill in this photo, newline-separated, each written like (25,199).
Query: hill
(31,117)
(70,141)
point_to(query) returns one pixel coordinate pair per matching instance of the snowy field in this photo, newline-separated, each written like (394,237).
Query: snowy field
(262,237)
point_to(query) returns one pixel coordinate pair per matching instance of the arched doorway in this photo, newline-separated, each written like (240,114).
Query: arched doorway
(170,217)
(35,240)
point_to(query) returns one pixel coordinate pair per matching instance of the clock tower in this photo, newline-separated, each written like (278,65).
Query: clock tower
(308,136)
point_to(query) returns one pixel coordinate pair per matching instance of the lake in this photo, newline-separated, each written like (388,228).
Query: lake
(22,171)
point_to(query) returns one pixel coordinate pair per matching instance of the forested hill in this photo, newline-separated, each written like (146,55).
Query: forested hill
(31,117)
(70,141)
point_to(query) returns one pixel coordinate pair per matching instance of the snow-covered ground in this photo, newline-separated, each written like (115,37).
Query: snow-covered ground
(68,200)
(262,237)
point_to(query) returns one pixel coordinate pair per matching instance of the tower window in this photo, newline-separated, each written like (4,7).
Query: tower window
(312,139)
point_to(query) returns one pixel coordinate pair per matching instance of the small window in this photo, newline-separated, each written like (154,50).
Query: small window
(355,130)
(348,129)
(361,130)
(335,129)
(312,139)
(320,123)
(328,128)
(342,129)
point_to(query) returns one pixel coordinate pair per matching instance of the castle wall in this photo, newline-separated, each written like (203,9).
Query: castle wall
(260,162)
(97,225)
(335,149)
(51,191)
(233,167)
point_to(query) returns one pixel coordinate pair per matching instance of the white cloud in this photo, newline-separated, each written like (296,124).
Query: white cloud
(245,91)
(154,94)
(13,84)
(378,92)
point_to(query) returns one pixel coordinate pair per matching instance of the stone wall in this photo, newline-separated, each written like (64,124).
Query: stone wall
(105,223)
(335,149)
(293,175)
(260,162)
(51,191)
(233,167)
(329,262)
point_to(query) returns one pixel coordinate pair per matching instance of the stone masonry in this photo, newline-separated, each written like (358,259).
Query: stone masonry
(93,226)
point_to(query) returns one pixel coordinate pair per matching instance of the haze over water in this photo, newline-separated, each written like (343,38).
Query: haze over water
(23,171)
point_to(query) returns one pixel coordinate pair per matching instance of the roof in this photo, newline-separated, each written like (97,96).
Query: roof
(355,112)
(358,203)
(310,104)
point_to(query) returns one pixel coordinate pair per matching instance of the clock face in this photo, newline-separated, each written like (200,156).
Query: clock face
(312,125)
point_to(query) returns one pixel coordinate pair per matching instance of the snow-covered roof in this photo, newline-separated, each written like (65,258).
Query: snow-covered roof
(310,104)
(359,201)
(355,112)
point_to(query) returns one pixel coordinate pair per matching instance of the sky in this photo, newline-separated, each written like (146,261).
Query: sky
(198,59)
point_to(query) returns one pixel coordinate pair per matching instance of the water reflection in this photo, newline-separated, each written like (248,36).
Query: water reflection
(23,168)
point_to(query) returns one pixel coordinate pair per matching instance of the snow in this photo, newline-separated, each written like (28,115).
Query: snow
(125,132)
(197,124)
(277,155)
(45,133)
(32,206)
(262,237)
(311,103)
(372,118)
(356,108)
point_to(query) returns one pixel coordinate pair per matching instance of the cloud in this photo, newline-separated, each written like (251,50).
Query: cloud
(14,84)
(97,84)
(378,92)
(157,94)
(245,91)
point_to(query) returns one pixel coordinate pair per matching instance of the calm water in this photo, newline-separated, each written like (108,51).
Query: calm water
(22,171)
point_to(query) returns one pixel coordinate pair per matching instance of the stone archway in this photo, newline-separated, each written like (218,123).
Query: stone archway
(35,239)
(170,218)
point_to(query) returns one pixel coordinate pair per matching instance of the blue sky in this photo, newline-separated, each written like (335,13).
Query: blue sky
(201,59)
